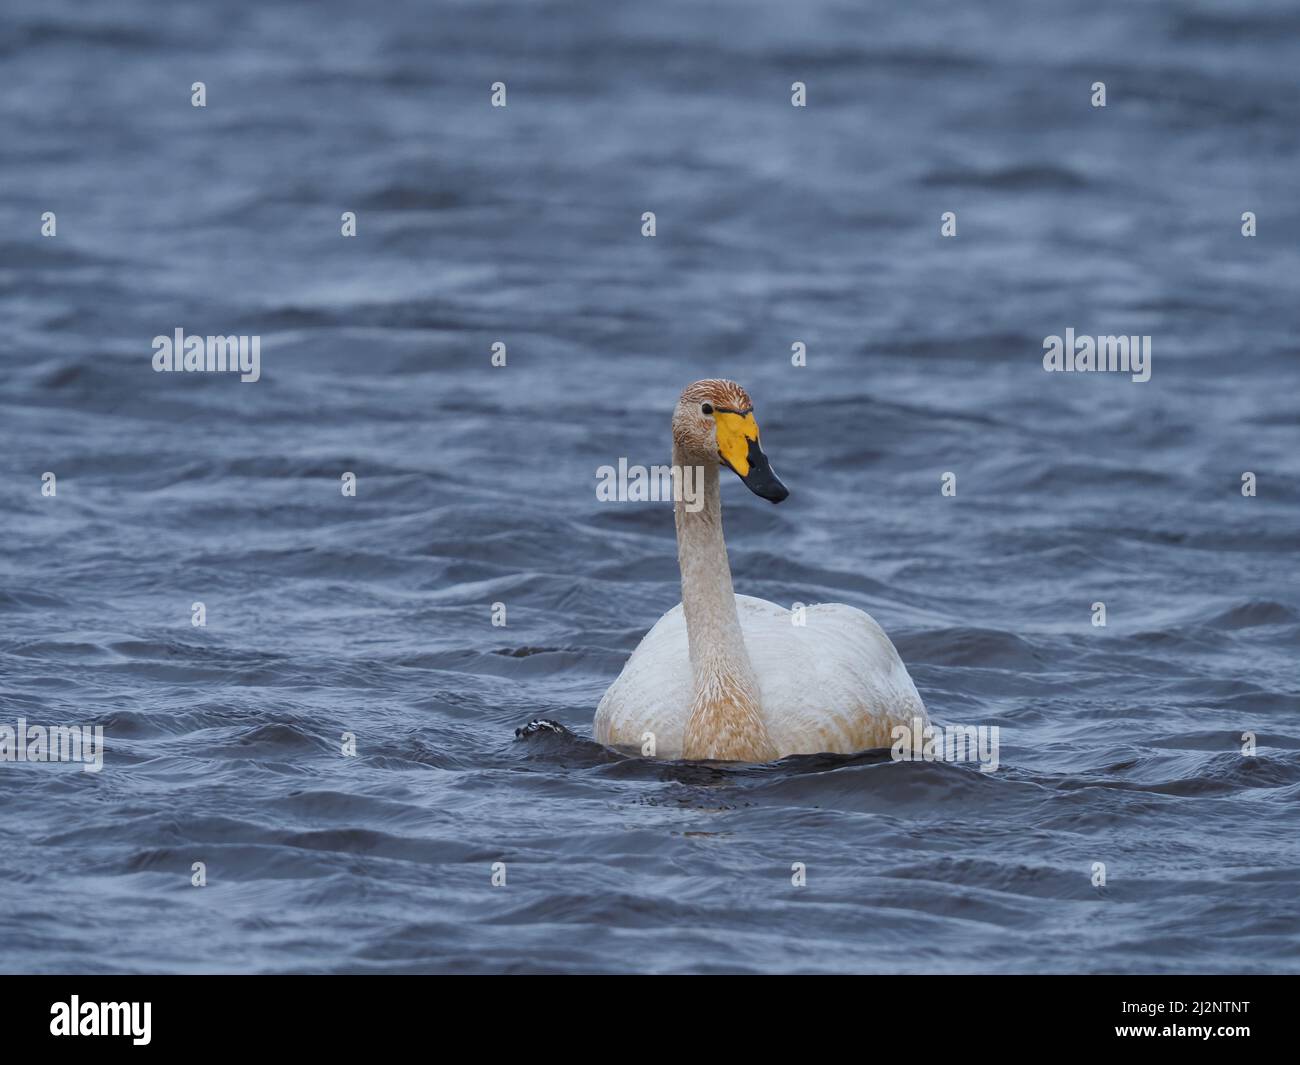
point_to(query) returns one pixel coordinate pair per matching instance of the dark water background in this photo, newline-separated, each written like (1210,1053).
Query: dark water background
(476,485)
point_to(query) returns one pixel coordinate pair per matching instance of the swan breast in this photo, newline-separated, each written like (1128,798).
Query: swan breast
(833,682)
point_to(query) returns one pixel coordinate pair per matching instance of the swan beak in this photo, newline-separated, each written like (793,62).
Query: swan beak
(738,448)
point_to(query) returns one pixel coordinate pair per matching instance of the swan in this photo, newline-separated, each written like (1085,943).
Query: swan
(728,677)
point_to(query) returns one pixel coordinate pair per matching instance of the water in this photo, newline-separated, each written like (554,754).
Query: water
(372,615)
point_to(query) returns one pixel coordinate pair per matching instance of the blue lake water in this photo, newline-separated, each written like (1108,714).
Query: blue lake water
(372,615)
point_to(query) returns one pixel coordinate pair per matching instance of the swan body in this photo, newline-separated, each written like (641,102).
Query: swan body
(834,683)
(733,678)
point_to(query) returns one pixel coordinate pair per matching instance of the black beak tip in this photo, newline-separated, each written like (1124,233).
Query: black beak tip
(765,484)
(761,478)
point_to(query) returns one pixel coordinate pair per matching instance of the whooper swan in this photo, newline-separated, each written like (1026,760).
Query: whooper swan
(730,677)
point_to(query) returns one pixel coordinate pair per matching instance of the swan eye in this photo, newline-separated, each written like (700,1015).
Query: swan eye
(706,408)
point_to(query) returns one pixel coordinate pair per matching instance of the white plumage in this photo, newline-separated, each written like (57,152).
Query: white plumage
(835,683)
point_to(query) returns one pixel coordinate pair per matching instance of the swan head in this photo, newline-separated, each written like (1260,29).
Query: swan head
(714,424)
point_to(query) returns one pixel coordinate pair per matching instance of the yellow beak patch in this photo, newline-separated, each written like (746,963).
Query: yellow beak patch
(735,431)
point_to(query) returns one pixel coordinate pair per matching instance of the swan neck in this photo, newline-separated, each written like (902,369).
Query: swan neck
(726,718)
(708,599)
